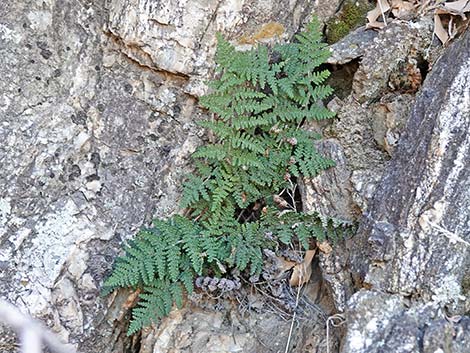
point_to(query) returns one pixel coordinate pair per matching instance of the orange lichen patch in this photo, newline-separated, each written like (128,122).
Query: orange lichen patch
(267,31)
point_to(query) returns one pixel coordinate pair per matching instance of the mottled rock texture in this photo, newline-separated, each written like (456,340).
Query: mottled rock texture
(414,241)
(93,146)
(98,104)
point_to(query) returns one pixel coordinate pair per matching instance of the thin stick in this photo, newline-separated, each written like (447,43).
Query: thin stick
(332,319)
(293,317)
(382,11)
(297,297)
(453,237)
(31,332)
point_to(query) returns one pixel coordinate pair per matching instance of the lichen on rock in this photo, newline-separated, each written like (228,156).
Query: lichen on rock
(98,103)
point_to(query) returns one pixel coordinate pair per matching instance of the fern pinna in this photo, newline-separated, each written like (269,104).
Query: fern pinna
(258,104)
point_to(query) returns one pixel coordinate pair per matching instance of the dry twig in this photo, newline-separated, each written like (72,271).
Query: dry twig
(32,334)
(339,321)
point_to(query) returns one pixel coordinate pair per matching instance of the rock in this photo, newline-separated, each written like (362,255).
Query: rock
(413,243)
(98,105)
(396,44)
(329,193)
(179,36)
(374,112)
(233,329)
(424,197)
(379,322)
(350,15)
(389,119)
(362,157)
(409,257)
(352,47)
(324,10)
(93,147)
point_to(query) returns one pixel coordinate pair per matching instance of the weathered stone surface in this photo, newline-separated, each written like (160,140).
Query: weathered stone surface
(370,119)
(379,322)
(389,119)
(179,36)
(250,324)
(85,134)
(350,15)
(330,192)
(398,44)
(97,118)
(414,241)
(352,47)
(411,252)
(424,196)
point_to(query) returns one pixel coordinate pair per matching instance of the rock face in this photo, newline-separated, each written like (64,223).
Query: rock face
(93,146)
(414,242)
(98,104)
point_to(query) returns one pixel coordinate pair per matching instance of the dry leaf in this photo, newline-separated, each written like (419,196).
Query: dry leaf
(439,30)
(402,9)
(303,271)
(373,15)
(456,7)
(280,202)
(286,265)
(325,247)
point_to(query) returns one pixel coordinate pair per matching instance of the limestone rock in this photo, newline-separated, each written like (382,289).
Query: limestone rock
(352,46)
(179,36)
(380,322)
(330,192)
(389,119)
(394,45)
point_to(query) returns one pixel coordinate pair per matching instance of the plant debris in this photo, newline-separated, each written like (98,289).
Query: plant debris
(450,18)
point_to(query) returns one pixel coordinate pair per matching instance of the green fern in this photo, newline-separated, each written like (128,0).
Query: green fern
(259,102)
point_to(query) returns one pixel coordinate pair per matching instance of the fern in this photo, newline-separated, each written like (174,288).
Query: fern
(246,244)
(259,101)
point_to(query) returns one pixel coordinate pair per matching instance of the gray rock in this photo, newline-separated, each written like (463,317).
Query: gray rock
(413,243)
(98,105)
(179,36)
(93,147)
(352,47)
(389,119)
(396,44)
(424,195)
(354,130)
(373,114)
(329,193)
(380,322)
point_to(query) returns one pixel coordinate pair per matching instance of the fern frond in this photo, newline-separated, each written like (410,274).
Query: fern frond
(258,104)
(211,152)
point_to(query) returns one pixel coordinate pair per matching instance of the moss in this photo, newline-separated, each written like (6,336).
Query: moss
(351,16)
